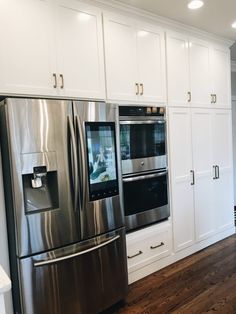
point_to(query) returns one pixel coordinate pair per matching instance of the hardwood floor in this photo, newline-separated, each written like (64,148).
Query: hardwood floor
(202,283)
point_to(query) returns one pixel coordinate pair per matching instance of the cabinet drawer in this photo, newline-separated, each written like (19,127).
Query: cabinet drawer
(148,245)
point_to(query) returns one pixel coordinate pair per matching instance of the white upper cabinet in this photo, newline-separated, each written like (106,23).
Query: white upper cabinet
(220,58)
(198,73)
(120,52)
(151,63)
(135,60)
(27,62)
(51,48)
(177,69)
(80,67)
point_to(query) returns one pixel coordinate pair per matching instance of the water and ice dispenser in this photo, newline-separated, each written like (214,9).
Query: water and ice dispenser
(40,188)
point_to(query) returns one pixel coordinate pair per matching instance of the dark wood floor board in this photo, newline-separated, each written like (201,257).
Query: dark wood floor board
(202,283)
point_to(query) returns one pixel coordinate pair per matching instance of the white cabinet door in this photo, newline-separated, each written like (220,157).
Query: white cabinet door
(200,75)
(223,186)
(182,192)
(177,69)
(27,55)
(121,58)
(80,50)
(151,63)
(221,76)
(203,167)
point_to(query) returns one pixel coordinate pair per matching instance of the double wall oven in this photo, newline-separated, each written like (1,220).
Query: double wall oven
(144,165)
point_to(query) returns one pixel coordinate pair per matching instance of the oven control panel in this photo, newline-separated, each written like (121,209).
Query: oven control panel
(141,111)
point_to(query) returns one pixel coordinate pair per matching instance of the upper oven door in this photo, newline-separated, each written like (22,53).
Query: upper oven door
(143,145)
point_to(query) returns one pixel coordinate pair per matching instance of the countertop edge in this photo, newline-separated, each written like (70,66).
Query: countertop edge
(5,282)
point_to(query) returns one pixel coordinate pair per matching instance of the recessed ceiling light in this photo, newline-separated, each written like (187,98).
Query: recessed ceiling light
(234,25)
(195,4)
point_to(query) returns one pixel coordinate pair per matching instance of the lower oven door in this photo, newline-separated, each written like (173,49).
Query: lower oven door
(145,199)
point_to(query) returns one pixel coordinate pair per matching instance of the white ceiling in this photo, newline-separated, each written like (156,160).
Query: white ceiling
(216,16)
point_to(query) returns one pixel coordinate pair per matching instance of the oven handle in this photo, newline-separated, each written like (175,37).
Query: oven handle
(148,176)
(158,121)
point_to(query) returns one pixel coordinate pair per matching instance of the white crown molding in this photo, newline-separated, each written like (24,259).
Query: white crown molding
(162,21)
(233,66)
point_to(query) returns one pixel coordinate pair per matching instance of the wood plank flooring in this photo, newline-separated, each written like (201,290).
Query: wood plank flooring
(202,283)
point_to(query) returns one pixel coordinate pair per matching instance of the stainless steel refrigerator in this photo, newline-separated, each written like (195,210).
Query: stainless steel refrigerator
(65,223)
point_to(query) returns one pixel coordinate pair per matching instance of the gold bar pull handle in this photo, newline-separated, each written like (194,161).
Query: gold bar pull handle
(55,80)
(189,96)
(137,254)
(62,81)
(142,89)
(156,246)
(137,88)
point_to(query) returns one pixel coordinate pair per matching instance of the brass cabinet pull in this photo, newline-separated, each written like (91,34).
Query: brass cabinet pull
(156,246)
(55,80)
(142,89)
(137,254)
(62,80)
(193,177)
(189,96)
(137,88)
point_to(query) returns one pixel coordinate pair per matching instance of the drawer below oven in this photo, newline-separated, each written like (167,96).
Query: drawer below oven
(148,245)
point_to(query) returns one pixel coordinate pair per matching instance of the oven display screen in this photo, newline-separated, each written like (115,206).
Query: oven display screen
(101,156)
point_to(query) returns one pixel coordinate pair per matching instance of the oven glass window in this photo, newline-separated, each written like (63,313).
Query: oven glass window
(142,140)
(142,195)
(102,164)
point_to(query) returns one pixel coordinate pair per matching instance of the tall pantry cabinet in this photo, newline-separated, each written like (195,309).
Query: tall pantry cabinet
(200,139)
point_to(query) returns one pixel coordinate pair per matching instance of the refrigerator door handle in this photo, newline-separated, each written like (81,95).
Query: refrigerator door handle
(83,161)
(59,259)
(74,160)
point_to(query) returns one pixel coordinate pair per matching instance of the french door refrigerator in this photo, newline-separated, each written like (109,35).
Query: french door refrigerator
(65,223)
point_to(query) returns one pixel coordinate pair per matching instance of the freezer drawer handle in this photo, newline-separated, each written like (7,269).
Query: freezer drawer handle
(59,259)
(137,254)
(156,246)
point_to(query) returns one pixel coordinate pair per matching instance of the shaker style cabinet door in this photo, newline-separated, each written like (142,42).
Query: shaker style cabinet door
(80,69)
(182,188)
(151,63)
(221,77)
(223,182)
(27,56)
(200,75)
(120,58)
(135,60)
(202,164)
(177,69)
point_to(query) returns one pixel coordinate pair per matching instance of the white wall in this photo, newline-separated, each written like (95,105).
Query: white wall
(233,89)
(4,260)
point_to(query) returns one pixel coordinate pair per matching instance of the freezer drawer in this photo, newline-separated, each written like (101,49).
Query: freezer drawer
(83,278)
